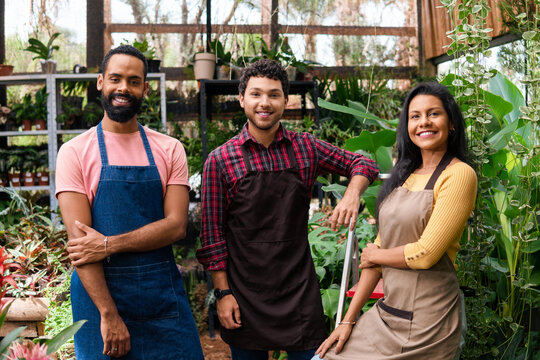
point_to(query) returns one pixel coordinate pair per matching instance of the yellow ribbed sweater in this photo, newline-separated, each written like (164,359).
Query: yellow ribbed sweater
(454,197)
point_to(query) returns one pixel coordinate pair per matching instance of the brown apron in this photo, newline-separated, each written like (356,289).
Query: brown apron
(270,269)
(419,316)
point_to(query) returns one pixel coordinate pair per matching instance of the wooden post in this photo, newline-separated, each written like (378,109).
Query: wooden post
(269,20)
(95,45)
(3,98)
(95,28)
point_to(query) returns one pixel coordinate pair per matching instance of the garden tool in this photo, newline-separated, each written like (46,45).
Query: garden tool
(351,258)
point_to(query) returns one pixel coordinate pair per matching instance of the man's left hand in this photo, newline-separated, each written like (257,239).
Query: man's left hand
(86,249)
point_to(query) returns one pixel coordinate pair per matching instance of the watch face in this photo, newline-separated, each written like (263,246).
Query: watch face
(217,294)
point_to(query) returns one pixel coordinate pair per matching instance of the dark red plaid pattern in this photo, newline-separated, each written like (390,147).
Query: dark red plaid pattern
(225,167)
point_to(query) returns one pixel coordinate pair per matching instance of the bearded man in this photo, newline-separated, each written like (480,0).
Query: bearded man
(123,193)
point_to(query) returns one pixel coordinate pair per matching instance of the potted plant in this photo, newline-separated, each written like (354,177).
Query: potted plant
(42,163)
(204,65)
(29,166)
(44,52)
(6,120)
(92,114)
(40,109)
(70,115)
(14,165)
(223,63)
(24,112)
(149,52)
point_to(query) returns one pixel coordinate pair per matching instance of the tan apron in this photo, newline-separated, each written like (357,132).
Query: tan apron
(420,315)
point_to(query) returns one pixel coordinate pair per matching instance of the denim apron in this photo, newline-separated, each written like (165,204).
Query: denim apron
(146,287)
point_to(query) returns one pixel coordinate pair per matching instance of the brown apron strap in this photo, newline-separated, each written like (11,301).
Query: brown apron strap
(442,165)
(246,158)
(290,151)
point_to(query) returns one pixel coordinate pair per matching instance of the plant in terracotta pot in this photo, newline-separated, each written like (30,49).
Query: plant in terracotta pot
(44,53)
(24,112)
(42,163)
(29,166)
(15,162)
(39,115)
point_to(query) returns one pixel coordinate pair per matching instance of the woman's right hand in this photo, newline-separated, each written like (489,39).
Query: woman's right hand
(340,334)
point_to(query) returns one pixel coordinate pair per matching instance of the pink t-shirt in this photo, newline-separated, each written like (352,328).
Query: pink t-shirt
(78,164)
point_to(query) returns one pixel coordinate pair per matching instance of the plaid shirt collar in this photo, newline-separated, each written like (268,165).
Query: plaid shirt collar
(281,134)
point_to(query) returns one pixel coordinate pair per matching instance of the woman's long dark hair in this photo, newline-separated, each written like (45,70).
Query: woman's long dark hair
(409,156)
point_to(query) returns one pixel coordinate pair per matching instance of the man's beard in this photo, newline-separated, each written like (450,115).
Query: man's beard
(121,114)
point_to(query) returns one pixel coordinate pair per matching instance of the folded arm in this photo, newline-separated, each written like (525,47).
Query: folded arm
(90,247)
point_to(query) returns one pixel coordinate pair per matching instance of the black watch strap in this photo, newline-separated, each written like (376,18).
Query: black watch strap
(219,294)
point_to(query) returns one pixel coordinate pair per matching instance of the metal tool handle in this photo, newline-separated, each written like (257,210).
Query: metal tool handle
(351,253)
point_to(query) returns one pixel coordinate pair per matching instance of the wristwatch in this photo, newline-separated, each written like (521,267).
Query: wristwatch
(219,294)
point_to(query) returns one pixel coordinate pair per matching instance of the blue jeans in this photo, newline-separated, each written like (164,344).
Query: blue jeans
(246,354)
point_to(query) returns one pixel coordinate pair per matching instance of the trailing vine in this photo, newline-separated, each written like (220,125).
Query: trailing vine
(505,221)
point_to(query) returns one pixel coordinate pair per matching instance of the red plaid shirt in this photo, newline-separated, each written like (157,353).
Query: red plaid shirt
(225,167)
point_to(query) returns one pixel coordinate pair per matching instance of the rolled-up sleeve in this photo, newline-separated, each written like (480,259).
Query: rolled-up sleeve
(332,159)
(213,252)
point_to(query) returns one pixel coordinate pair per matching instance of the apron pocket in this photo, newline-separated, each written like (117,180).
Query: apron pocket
(396,332)
(143,292)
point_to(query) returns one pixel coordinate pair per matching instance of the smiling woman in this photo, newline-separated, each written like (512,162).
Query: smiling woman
(422,211)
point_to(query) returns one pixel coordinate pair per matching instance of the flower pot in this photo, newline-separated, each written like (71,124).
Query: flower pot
(41,124)
(27,125)
(204,66)
(15,179)
(29,178)
(236,72)
(223,72)
(43,178)
(6,70)
(291,73)
(30,312)
(153,65)
(48,66)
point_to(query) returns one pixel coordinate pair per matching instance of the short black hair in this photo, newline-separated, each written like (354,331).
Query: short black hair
(264,68)
(124,50)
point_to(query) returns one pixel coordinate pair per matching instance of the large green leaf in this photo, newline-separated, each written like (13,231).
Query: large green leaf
(501,86)
(349,110)
(8,339)
(330,300)
(371,141)
(370,198)
(54,344)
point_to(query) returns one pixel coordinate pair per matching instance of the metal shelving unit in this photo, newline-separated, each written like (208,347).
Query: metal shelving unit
(52,83)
